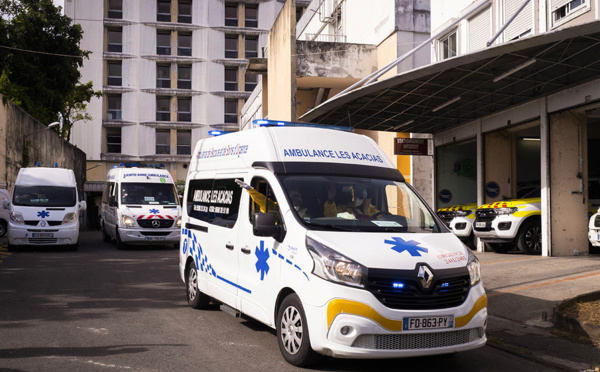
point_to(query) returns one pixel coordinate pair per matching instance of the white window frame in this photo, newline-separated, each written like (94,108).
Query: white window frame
(570,13)
(440,44)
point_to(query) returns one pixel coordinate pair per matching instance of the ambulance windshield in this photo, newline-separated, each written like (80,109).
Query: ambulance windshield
(148,193)
(358,204)
(47,196)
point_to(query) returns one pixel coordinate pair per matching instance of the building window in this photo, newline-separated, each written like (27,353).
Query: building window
(231,46)
(251,15)
(163,76)
(231,111)
(163,11)
(251,47)
(115,75)
(163,108)
(448,46)
(184,142)
(184,77)
(113,105)
(231,14)
(231,78)
(115,9)
(567,9)
(163,43)
(299,12)
(184,109)
(185,11)
(251,81)
(163,141)
(113,140)
(115,40)
(184,44)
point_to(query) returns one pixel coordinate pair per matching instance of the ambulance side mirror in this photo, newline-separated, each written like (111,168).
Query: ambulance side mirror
(264,225)
(112,202)
(82,205)
(5,204)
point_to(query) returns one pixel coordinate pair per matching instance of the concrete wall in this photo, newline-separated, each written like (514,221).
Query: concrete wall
(44,146)
(568,173)
(282,65)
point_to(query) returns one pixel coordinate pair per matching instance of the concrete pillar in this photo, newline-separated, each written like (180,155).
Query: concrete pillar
(546,223)
(568,179)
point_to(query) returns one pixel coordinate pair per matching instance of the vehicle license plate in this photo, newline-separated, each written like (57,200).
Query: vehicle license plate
(429,322)
(42,235)
(480,224)
(153,238)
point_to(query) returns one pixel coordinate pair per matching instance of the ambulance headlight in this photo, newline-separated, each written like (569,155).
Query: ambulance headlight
(69,217)
(178,222)
(460,213)
(127,221)
(17,217)
(474,268)
(335,267)
(506,210)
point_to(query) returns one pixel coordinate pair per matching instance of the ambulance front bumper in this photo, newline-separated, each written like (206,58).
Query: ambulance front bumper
(20,234)
(365,328)
(146,236)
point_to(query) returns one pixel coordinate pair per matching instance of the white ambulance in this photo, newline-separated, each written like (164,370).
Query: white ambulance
(140,206)
(316,234)
(44,210)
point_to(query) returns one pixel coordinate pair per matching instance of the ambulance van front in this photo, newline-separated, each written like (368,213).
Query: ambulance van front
(316,234)
(44,209)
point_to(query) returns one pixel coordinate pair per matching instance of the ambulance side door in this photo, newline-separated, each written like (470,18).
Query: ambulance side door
(259,256)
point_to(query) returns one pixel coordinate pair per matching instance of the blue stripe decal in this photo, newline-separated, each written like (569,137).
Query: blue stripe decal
(233,284)
(288,261)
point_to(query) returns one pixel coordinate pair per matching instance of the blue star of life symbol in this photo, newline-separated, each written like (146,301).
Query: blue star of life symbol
(263,255)
(154,211)
(43,214)
(410,246)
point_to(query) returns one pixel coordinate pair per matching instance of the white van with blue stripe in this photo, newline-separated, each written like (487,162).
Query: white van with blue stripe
(315,233)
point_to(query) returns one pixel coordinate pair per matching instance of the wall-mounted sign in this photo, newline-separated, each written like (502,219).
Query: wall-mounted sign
(445,196)
(411,146)
(492,189)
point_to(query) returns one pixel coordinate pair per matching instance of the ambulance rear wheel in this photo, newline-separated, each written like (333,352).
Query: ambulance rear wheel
(292,333)
(529,239)
(195,297)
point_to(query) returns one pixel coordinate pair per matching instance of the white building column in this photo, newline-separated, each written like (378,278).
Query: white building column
(545,178)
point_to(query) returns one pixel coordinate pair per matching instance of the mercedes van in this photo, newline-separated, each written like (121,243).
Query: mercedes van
(315,233)
(140,206)
(44,209)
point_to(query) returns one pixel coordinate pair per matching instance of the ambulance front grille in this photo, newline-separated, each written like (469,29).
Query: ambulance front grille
(35,223)
(485,214)
(417,341)
(163,224)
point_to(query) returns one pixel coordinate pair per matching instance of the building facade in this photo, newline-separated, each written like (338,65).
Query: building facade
(170,72)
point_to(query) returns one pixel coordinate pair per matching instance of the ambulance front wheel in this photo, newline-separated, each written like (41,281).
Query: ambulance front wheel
(105,236)
(3,228)
(195,297)
(529,239)
(120,244)
(292,333)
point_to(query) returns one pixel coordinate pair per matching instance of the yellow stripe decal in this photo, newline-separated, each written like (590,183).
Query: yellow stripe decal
(339,306)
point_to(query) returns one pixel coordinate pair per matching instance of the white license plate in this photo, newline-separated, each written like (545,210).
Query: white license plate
(42,235)
(480,224)
(155,238)
(429,322)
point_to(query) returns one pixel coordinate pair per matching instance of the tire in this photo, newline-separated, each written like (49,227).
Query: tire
(501,247)
(529,239)
(292,333)
(3,228)
(105,237)
(13,248)
(196,299)
(120,244)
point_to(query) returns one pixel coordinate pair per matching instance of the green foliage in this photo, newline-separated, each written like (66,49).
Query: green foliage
(180,186)
(39,62)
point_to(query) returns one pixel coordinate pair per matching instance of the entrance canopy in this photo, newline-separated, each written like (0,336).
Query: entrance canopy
(444,95)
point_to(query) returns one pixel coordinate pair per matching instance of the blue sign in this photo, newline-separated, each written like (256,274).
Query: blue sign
(492,189)
(445,196)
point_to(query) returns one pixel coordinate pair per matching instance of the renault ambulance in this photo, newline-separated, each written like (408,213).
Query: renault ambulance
(44,209)
(316,234)
(140,206)
(459,218)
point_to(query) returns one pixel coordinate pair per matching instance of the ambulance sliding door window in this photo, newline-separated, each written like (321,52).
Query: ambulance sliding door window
(263,200)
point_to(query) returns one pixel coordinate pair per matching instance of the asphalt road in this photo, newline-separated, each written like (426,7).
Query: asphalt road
(101,309)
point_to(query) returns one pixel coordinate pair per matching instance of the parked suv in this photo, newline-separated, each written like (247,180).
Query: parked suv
(459,218)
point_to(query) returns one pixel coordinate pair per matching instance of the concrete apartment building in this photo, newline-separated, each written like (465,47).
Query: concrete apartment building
(170,71)
(511,98)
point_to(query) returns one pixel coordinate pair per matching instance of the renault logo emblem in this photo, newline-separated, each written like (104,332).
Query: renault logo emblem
(43,223)
(155,223)
(425,276)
